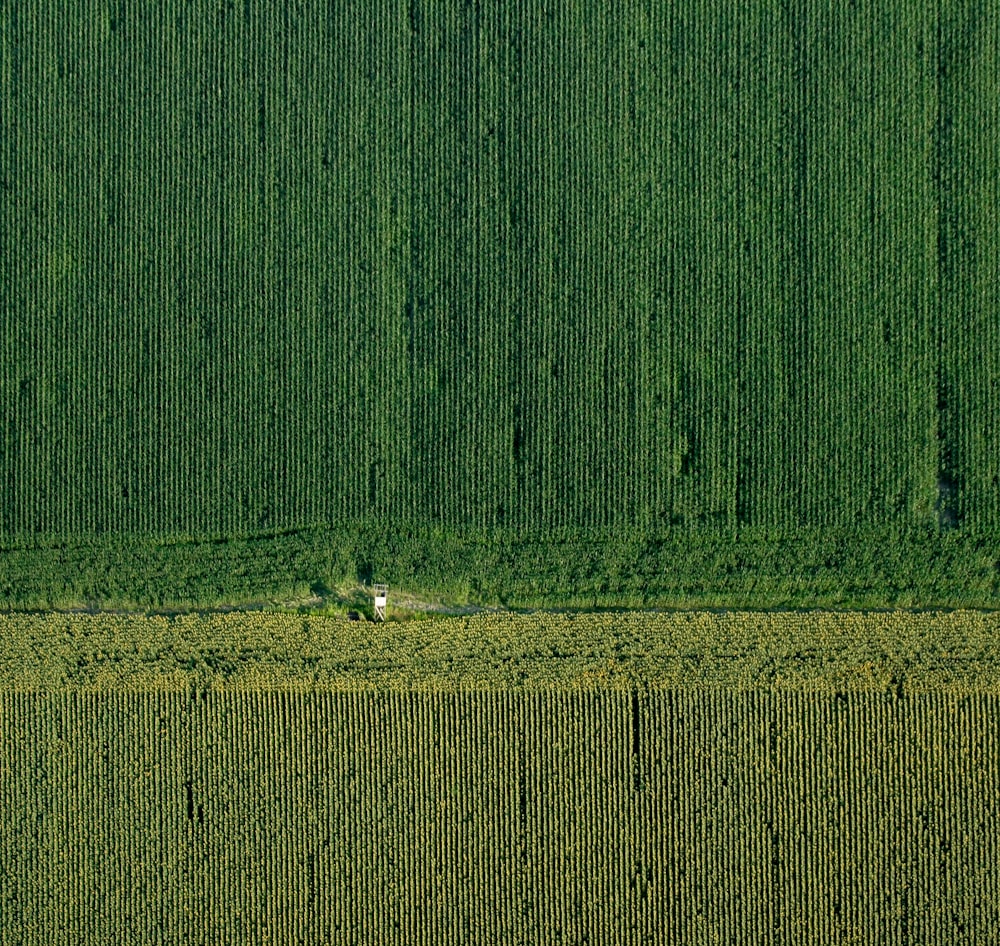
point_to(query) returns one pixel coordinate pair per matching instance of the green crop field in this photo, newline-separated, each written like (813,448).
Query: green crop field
(709,281)
(897,653)
(498,818)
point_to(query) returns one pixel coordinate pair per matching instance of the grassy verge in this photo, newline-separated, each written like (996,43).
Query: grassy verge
(750,569)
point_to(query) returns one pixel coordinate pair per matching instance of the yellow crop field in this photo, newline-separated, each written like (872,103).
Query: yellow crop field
(602,778)
(667,816)
(904,652)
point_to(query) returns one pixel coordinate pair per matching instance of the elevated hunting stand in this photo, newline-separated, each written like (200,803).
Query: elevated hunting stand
(381,594)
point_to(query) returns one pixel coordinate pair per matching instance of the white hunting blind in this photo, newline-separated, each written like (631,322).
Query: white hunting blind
(381,594)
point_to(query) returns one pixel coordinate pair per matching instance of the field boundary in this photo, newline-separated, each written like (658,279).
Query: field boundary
(749,569)
(892,652)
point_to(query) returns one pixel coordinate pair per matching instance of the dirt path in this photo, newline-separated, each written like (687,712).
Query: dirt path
(355,598)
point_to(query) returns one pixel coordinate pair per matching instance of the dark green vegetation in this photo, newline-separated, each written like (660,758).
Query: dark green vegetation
(678,816)
(756,568)
(715,284)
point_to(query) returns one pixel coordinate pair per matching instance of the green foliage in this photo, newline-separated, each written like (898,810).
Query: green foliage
(754,568)
(530,273)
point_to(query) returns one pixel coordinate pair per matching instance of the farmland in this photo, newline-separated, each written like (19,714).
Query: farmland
(680,307)
(810,778)
(896,653)
(708,283)
(486,818)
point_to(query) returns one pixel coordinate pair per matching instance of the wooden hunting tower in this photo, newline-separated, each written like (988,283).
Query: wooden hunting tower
(381,594)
